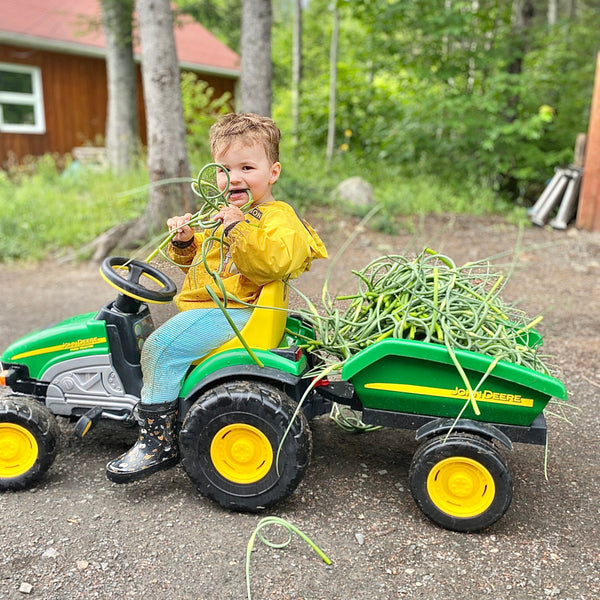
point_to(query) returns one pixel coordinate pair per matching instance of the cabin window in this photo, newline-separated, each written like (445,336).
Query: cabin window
(21,100)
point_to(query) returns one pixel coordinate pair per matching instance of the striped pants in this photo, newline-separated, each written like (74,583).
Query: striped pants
(184,338)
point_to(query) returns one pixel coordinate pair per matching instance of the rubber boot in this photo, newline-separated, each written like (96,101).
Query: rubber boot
(156,448)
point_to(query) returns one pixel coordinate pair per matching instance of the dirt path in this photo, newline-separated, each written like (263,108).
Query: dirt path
(76,535)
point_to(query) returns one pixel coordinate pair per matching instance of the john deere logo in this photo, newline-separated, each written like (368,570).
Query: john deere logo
(490,396)
(70,346)
(461,393)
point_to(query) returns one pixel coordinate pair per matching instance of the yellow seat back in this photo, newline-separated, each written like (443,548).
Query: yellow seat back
(265,327)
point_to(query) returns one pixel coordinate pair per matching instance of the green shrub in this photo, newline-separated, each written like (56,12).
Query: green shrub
(200,110)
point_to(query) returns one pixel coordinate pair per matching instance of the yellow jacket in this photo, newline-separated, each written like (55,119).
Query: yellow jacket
(271,243)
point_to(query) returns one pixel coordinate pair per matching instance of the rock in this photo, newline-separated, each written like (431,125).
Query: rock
(25,588)
(355,191)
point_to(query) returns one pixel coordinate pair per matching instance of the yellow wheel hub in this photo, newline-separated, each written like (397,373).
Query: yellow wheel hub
(18,450)
(461,487)
(241,453)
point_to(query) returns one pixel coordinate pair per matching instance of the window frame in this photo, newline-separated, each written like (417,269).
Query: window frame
(34,99)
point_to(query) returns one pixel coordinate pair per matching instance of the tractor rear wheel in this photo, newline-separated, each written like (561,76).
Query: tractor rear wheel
(231,445)
(29,437)
(461,482)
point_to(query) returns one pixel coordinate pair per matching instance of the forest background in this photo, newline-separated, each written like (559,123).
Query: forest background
(441,105)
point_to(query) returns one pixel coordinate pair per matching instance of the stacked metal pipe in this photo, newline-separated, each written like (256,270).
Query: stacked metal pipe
(562,191)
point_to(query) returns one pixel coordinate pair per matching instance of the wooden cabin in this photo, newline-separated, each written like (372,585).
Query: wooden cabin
(53,94)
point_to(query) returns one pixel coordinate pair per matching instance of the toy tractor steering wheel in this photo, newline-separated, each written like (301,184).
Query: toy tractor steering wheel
(131,286)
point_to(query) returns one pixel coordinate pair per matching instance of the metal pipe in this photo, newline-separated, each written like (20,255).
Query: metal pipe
(568,206)
(547,191)
(540,217)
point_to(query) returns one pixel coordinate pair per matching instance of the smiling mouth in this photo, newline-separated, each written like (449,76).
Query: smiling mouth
(237,193)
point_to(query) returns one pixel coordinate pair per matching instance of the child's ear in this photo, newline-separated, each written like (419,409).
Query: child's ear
(275,172)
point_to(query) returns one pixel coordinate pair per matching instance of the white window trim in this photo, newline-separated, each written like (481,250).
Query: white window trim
(36,99)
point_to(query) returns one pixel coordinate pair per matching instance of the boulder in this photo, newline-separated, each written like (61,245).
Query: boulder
(355,191)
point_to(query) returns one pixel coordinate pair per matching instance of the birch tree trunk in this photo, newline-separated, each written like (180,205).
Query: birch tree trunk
(122,135)
(296,71)
(257,69)
(167,153)
(333,51)
(552,12)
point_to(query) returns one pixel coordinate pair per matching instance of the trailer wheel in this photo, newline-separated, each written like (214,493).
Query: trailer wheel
(229,443)
(461,482)
(29,437)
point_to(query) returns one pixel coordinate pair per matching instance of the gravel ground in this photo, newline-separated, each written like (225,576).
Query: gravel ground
(76,535)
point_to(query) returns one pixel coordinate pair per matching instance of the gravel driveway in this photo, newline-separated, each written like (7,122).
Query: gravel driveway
(76,535)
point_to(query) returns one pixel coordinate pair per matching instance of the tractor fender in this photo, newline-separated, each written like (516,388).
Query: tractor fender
(291,384)
(442,426)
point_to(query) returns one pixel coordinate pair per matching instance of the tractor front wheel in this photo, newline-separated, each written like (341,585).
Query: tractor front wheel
(29,437)
(461,482)
(242,447)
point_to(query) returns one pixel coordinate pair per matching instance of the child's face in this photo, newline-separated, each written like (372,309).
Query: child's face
(249,169)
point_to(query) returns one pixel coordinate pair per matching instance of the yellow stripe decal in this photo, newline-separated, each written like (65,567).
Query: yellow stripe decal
(460,393)
(71,346)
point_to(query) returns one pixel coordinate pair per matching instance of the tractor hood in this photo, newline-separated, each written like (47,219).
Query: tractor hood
(76,337)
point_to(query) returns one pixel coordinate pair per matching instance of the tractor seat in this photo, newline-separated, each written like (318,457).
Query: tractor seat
(265,327)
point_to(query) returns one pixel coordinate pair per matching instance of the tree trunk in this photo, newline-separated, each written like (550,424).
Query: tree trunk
(122,135)
(167,153)
(257,70)
(552,12)
(296,71)
(333,51)
(522,15)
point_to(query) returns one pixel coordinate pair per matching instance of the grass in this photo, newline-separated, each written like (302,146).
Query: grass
(400,195)
(47,210)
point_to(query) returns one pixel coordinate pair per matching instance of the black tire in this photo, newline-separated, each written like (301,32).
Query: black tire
(461,482)
(229,443)
(29,437)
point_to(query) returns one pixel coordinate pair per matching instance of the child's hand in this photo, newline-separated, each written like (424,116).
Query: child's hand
(229,215)
(184,231)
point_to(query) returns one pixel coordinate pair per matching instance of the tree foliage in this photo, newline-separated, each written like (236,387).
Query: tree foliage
(200,110)
(493,92)
(465,89)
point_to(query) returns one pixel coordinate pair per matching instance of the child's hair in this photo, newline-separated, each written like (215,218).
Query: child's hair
(254,129)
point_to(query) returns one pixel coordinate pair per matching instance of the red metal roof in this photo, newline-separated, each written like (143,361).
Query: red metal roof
(64,25)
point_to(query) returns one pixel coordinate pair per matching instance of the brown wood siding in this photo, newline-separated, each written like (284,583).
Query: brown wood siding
(74,89)
(220,85)
(75,99)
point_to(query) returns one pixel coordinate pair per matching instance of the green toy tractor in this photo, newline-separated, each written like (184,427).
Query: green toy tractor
(244,432)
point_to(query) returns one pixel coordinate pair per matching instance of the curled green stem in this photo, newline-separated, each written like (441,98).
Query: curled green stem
(291,529)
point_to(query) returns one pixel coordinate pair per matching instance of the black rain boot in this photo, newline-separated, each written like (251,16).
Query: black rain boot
(156,448)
